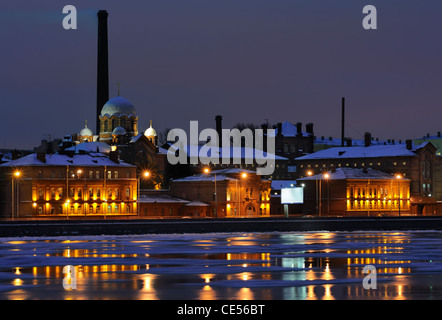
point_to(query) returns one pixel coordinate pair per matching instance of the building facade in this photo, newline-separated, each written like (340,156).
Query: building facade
(68,185)
(226,192)
(414,162)
(356,192)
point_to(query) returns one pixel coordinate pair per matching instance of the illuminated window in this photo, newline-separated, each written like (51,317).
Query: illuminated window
(60,192)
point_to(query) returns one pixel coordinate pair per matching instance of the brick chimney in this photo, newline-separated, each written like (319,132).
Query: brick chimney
(367,139)
(219,128)
(409,144)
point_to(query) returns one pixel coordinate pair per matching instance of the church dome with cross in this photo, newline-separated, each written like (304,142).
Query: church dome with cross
(85,134)
(118,112)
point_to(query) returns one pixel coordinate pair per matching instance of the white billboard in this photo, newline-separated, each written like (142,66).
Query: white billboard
(292,195)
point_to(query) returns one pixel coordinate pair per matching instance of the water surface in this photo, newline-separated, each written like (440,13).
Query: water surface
(261,266)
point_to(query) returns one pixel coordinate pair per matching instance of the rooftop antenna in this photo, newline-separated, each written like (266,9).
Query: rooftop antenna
(118,84)
(343,121)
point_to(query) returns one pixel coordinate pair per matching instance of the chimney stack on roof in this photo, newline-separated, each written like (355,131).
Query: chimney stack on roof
(343,122)
(279,126)
(409,144)
(367,139)
(219,128)
(309,129)
(298,129)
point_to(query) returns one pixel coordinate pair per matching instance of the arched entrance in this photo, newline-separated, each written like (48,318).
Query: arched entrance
(250,211)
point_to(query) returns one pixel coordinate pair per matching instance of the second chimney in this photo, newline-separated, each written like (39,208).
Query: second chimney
(219,128)
(367,139)
(409,144)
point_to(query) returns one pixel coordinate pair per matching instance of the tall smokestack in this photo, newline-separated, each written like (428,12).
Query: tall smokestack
(102,66)
(343,122)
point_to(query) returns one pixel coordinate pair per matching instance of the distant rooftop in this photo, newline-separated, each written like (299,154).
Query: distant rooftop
(288,129)
(243,152)
(161,198)
(374,151)
(92,146)
(90,159)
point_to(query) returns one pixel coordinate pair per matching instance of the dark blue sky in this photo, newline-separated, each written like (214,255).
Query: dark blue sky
(248,60)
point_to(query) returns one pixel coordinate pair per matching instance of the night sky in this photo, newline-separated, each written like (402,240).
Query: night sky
(247,60)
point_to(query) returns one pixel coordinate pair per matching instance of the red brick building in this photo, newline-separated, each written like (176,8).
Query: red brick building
(356,192)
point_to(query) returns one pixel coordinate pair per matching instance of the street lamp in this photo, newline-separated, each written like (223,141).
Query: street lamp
(16,175)
(79,172)
(207,171)
(326,177)
(145,175)
(310,173)
(398,178)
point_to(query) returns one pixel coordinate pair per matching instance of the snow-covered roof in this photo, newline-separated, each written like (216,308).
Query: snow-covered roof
(375,151)
(354,142)
(161,198)
(91,146)
(205,177)
(279,184)
(196,204)
(288,129)
(118,106)
(221,174)
(90,160)
(353,174)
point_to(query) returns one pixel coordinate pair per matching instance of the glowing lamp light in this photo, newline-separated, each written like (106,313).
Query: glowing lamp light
(206,170)
(244,175)
(17,174)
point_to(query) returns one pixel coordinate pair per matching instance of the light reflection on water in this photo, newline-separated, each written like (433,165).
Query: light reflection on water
(262,266)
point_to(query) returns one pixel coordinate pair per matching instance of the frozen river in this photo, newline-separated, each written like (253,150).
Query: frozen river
(260,266)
